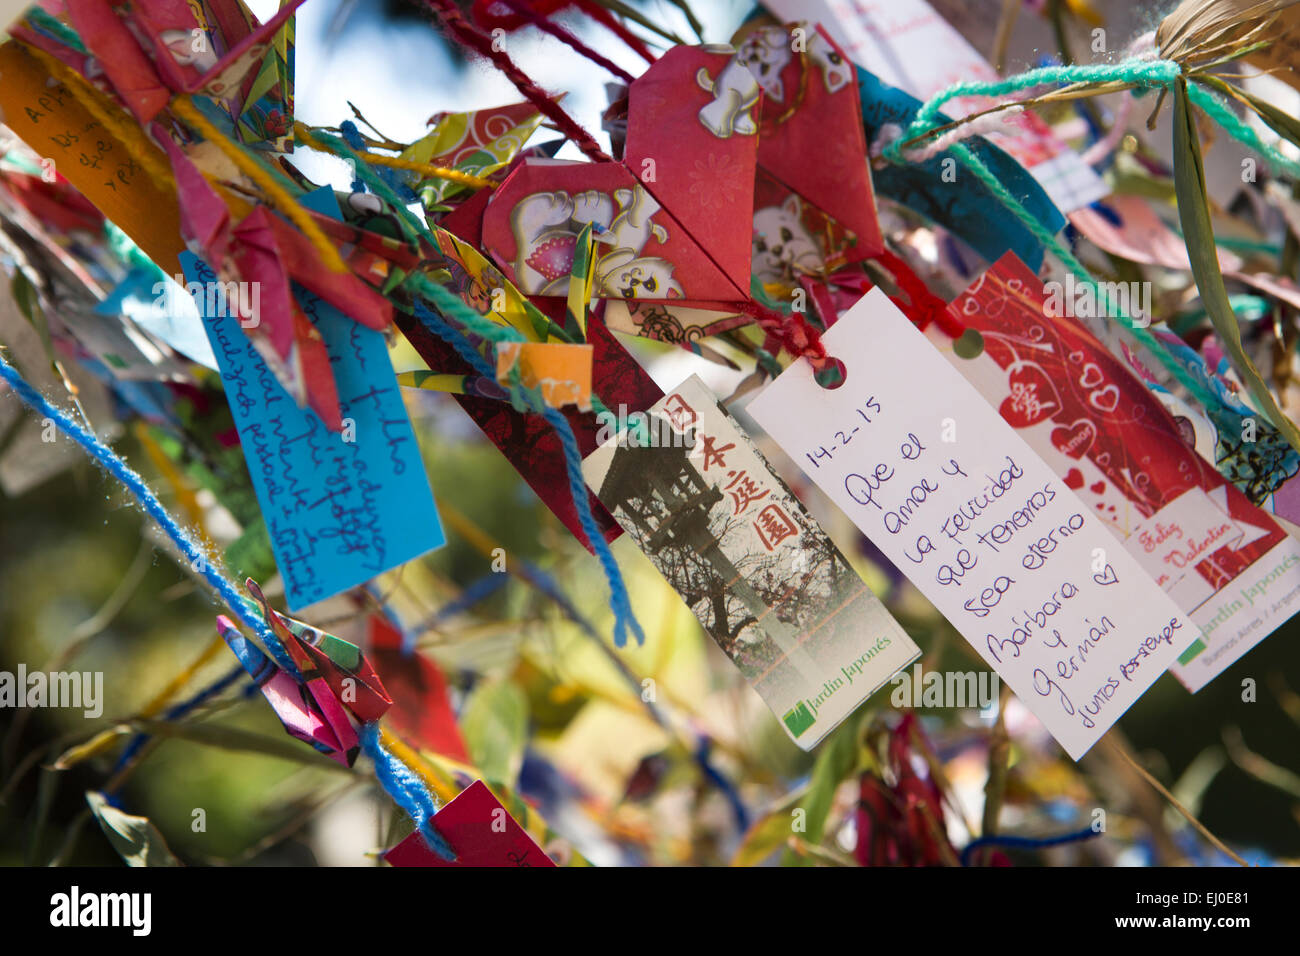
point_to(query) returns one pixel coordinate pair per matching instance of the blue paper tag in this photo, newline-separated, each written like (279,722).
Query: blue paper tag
(338,511)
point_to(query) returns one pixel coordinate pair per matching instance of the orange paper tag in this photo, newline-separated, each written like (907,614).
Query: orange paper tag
(563,371)
(51,120)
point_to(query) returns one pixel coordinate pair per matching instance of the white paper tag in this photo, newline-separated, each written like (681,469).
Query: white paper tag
(765,581)
(955,498)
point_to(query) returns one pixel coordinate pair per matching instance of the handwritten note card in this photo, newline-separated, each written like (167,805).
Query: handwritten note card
(955,498)
(340,507)
(480,830)
(104,169)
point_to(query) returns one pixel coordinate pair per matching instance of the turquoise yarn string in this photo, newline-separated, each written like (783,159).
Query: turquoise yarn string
(1141,73)
(1215,107)
(1144,74)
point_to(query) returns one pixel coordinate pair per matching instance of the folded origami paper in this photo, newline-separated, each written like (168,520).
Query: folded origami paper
(309,711)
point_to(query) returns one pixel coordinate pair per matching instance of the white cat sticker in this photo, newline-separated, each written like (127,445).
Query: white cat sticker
(783,248)
(835,71)
(735,93)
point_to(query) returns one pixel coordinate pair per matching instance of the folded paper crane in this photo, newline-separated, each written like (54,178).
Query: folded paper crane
(336,679)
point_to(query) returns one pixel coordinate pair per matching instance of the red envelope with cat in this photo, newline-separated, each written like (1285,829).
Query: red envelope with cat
(1226,563)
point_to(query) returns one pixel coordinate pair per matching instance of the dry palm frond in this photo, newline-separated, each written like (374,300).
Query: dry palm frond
(1201,32)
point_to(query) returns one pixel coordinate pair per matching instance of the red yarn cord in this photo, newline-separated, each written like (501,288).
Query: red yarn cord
(607,19)
(793,333)
(547,25)
(473,39)
(926,307)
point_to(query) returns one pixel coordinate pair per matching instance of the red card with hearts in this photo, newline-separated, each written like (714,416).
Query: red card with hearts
(1117,446)
(479,829)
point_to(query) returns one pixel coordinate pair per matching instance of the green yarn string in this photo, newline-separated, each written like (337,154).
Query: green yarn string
(1041,233)
(1215,108)
(1139,73)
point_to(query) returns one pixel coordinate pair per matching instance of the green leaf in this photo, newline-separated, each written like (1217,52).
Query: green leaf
(1194,214)
(135,839)
(28,302)
(769,834)
(838,758)
(495,725)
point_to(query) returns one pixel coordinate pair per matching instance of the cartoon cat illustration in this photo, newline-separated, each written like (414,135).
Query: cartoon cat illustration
(735,93)
(836,73)
(621,275)
(546,227)
(765,53)
(783,248)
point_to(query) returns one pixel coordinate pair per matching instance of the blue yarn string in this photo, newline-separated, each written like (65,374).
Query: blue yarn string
(714,776)
(407,790)
(390,176)
(193,552)
(619,601)
(440,327)
(178,711)
(1025,843)
(624,618)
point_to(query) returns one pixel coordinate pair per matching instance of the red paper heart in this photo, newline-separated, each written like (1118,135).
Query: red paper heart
(1074,440)
(1074,479)
(1032,399)
(1097,488)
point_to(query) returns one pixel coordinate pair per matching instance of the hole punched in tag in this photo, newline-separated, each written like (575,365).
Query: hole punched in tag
(832,374)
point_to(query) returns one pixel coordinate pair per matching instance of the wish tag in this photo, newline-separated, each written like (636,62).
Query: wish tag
(1227,563)
(479,829)
(762,577)
(983,527)
(340,507)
